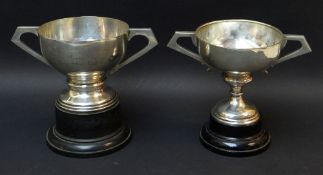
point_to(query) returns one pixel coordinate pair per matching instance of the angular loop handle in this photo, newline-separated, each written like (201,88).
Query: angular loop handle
(174,45)
(305,48)
(16,39)
(152,42)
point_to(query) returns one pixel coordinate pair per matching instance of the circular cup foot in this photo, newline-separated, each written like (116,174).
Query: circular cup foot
(87,147)
(236,146)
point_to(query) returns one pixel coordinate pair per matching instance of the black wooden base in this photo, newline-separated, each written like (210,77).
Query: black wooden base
(88,135)
(234,141)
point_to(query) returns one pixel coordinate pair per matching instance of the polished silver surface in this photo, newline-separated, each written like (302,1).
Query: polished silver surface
(87,93)
(235,110)
(238,47)
(85,49)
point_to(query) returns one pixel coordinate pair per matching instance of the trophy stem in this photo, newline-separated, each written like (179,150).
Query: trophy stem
(88,120)
(235,128)
(235,111)
(237,80)
(87,93)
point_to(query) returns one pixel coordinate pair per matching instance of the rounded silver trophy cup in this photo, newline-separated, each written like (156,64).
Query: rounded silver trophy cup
(85,48)
(237,47)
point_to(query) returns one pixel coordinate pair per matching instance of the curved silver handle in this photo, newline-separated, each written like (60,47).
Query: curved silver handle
(305,48)
(152,42)
(16,39)
(174,45)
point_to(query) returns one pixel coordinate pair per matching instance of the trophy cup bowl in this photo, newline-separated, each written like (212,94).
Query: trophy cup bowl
(88,120)
(238,48)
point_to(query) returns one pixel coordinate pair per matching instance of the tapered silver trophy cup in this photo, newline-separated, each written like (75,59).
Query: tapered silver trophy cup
(84,49)
(237,47)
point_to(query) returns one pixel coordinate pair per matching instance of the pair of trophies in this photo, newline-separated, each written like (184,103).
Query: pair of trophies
(85,48)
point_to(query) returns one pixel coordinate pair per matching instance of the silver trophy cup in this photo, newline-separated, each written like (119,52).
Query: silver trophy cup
(237,47)
(84,49)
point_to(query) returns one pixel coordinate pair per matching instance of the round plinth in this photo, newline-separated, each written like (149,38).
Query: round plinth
(234,141)
(88,135)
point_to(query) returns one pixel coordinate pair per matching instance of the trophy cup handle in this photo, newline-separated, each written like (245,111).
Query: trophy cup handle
(16,39)
(152,42)
(305,48)
(174,45)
